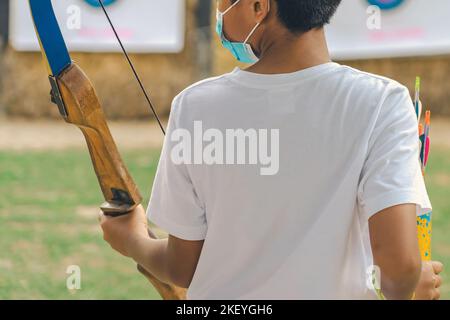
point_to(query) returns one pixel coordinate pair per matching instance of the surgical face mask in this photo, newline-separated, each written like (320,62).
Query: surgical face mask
(242,51)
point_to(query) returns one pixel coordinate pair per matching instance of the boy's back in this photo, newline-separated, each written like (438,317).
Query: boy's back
(343,137)
(286,180)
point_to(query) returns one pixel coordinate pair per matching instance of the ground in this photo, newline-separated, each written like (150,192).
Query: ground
(49,202)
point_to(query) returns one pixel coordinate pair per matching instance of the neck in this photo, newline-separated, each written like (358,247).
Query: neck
(286,54)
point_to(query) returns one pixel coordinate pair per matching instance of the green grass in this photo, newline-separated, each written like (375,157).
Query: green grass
(48,207)
(48,204)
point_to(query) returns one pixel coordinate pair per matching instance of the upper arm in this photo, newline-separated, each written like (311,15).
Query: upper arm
(175,206)
(395,250)
(392,192)
(183,256)
(393,236)
(175,203)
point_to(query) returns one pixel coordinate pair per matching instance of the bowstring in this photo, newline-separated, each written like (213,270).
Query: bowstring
(147,97)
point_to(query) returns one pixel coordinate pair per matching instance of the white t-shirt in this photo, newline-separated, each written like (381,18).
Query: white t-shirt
(348,148)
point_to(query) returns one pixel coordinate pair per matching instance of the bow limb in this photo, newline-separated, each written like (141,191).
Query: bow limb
(79,105)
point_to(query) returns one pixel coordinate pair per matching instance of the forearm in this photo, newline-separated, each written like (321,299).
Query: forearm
(152,255)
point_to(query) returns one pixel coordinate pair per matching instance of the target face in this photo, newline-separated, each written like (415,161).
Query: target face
(386,4)
(408,29)
(145,26)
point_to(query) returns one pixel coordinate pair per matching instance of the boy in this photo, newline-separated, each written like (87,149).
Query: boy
(335,198)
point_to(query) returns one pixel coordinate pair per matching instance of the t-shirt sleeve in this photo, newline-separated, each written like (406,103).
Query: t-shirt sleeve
(392,172)
(174,204)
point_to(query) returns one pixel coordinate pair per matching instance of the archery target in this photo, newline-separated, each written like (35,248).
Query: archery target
(398,28)
(156,26)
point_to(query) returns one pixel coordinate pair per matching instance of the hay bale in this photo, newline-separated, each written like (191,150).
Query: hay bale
(25,88)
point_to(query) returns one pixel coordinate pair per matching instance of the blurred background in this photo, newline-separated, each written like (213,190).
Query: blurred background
(49,194)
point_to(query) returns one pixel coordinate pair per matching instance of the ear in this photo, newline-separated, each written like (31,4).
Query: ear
(261,9)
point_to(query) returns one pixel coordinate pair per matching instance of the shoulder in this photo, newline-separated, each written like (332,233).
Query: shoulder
(201,89)
(199,100)
(379,96)
(367,81)
(390,101)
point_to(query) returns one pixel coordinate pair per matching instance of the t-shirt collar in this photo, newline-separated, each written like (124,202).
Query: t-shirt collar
(268,80)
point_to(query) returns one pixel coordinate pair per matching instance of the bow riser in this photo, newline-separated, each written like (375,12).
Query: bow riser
(83,109)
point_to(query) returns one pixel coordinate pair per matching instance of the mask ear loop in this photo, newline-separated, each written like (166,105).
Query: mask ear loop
(252,32)
(257,25)
(231,7)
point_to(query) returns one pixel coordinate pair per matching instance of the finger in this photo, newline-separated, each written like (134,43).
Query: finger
(437,266)
(438,282)
(437,294)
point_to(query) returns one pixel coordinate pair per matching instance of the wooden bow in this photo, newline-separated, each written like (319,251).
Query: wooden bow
(78,104)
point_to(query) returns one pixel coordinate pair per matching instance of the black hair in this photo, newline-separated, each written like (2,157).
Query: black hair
(300,16)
